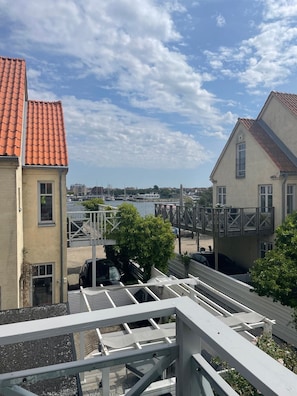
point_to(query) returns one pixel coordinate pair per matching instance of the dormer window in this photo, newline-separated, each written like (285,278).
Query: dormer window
(240,160)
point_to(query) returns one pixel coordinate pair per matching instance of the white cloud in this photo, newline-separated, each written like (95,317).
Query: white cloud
(220,20)
(118,138)
(268,58)
(275,9)
(127,48)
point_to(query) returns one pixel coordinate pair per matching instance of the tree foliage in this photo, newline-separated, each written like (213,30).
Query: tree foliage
(92,204)
(147,240)
(275,275)
(205,198)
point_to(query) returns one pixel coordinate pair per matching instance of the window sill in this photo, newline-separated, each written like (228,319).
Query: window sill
(46,224)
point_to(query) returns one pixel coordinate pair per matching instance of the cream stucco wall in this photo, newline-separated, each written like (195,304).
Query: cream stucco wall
(43,243)
(244,192)
(282,122)
(11,236)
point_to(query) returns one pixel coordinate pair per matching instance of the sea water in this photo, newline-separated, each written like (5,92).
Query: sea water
(144,207)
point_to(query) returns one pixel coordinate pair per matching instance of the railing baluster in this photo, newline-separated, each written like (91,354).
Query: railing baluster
(218,221)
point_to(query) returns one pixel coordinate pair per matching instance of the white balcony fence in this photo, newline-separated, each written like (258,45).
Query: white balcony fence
(196,330)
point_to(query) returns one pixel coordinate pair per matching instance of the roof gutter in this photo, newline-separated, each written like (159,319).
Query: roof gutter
(46,167)
(285,178)
(62,246)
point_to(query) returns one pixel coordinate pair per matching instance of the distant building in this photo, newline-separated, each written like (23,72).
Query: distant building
(148,196)
(79,189)
(33,168)
(97,190)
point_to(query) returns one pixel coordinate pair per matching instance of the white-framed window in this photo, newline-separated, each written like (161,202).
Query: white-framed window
(264,247)
(45,191)
(265,197)
(290,199)
(240,159)
(42,284)
(221,195)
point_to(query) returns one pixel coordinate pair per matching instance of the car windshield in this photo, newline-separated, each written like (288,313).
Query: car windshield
(114,274)
(200,258)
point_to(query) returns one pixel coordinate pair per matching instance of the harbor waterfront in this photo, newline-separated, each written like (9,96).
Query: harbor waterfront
(144,207)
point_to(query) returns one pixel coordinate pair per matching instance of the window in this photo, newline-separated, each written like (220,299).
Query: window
(240,160)
(265,193)
(46,202)
(42,284)
(221,195)
(290,198)
(264,247)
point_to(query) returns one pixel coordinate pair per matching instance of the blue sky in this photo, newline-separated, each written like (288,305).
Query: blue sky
(151,89)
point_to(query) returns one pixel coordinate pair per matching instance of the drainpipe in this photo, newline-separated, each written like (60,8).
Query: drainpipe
(61,238)
(285,176)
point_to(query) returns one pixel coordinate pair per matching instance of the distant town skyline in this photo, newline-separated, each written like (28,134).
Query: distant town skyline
(109,187)
(151,89)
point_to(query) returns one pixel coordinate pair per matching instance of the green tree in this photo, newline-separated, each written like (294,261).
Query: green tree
(275,275)
(205,198)
(92,204)
(147,240)
(155,244)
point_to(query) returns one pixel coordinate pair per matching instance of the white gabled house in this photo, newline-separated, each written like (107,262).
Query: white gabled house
(258,168)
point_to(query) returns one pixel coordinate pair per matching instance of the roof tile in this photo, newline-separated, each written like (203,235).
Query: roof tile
(12,101)
(45,132)
(46,138)
(288,100)
(272,149)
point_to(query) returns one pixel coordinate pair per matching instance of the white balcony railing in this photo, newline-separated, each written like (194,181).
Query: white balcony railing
(85,228)
(196,331)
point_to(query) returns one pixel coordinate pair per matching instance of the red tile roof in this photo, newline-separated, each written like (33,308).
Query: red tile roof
(45,138)
(12,100)
(288,100)
(272,149)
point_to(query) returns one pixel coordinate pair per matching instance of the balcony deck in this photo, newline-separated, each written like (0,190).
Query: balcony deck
(194,330)
(221,222)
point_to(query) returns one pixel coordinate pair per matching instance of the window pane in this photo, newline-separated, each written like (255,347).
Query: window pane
(290,198)
(46,208)
(221,195)
(46,201)
(49,269)
(240,160)
(42,291)
(42,188)
(42,270)
(49,188)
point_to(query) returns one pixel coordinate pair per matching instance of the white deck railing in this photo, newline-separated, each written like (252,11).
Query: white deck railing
(196,329)
(86,228)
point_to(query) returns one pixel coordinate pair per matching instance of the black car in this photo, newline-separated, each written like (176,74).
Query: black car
(106,273)
(225,264)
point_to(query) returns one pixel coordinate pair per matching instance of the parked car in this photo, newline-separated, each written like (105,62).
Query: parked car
(225,264)
(106,273)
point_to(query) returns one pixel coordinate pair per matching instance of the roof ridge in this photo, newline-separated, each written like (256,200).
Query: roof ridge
(283,93)
(45,101)
(12,59)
